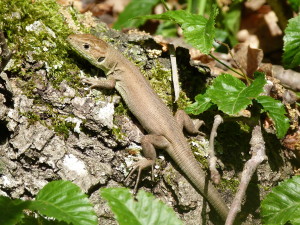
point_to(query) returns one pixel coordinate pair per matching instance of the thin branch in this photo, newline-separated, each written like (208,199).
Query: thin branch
(258,156)
(214,173)
(175,76)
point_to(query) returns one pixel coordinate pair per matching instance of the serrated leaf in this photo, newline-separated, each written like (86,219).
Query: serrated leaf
(11,210)
(64,201)
(197,30)
(283,203)
(201,104)
(201,37)
(291,55)
(231,95)
(133,9)
(276,111)
(146,210)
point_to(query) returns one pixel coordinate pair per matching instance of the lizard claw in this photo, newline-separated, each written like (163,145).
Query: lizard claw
(140,165)
(90,81)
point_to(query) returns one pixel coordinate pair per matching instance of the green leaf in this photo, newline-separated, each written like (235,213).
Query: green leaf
(167,29)
(276,111)
(39,220)
(231,20)
(291,55)
(146,210)
(201,104)
(283,203)
(11,210)
(222,36)
(197,30)
(231,95)
(64,201)
(133,9)
(295,4)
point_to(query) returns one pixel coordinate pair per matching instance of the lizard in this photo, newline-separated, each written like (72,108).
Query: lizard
(165,131)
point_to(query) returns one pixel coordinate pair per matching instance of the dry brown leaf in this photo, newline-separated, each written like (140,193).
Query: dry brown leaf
(292,141)
(247,58)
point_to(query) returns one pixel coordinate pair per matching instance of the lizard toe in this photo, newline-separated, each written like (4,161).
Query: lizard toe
(140,165)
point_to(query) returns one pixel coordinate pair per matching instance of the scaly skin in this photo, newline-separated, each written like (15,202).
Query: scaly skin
(148,108)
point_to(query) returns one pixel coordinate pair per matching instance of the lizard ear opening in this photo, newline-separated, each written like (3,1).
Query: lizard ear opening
(86,46)
(100,59)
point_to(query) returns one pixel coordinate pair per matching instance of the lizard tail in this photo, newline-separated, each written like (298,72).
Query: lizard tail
(190,166)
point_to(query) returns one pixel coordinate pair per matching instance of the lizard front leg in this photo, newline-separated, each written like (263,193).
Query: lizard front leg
(149,143)
(109,83)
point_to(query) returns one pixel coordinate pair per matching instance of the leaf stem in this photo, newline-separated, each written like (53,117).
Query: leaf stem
(165,5)
(201,7)
(228,67)
(239,67)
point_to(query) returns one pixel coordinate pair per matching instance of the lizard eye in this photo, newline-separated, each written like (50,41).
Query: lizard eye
(86,46)
(101,59)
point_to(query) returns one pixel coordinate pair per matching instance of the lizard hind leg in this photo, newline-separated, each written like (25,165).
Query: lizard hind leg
(149,143)
(185,122)
(139,166)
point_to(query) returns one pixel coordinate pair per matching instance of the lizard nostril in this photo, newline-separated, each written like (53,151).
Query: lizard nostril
(101,59)
(86,46)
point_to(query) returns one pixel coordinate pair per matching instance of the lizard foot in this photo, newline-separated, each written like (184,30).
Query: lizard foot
(97,83)
(140,165)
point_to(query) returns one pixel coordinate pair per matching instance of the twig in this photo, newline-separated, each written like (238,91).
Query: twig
(165,5)
(175,76)
(214,173)
(258,156)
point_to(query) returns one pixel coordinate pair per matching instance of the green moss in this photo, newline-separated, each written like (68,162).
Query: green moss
(32,117)
(58,122)
(36,32)
(117,132)
(244,127)
(202,160)
(231,184)
(2,166)
(160,79)
(121,109)
(62,127)
(183,100)
(169,178)
(199,150)
(264,187)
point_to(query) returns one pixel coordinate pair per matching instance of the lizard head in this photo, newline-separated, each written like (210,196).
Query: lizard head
(90,47)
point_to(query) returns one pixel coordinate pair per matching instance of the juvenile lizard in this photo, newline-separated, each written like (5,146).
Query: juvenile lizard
(164,130)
